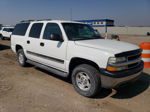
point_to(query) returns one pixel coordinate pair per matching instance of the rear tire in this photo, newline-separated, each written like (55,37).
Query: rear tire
(86,80)
(21,58)
(2,37)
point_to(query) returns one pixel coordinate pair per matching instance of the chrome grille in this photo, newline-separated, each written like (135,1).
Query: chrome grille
(133,65)
(133,58)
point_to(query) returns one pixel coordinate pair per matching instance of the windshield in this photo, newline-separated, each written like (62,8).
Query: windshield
(76,31)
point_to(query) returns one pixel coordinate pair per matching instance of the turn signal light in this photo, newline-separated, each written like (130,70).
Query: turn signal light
(111,68)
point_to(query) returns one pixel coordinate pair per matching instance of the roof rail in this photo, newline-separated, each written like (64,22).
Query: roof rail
(44,20)
(35,20)
(26,21)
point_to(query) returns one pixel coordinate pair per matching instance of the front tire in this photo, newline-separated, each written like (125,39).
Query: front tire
(21,58)
(86,80)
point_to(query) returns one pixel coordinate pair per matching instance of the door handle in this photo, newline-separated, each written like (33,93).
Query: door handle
(42,44)
(28,42)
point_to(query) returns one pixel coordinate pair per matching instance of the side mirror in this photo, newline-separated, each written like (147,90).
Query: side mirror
(56,37)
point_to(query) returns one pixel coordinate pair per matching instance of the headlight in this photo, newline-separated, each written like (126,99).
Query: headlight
(114,60)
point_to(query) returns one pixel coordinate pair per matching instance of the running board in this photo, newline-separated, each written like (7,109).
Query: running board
(48,68)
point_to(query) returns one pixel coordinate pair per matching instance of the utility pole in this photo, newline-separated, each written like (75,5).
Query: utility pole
(71,14)
(106,30)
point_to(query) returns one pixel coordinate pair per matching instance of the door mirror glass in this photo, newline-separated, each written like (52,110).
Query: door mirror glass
(56,37)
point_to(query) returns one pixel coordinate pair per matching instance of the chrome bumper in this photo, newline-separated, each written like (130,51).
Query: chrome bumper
(110,82)
(113,79)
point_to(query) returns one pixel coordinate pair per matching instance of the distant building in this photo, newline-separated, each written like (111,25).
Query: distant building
(98,22)
(6,25)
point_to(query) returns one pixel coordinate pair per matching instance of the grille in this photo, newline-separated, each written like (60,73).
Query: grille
(133,65)
(134,57)
(131,55)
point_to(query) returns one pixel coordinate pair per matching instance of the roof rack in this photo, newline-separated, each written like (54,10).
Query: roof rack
(35,20)
(44,20)
(26,21)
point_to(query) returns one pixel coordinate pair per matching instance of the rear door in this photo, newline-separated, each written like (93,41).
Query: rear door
(8,32)
(33,42)
(5,32)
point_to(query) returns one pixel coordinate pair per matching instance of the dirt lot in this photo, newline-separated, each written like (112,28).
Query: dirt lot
(33,90)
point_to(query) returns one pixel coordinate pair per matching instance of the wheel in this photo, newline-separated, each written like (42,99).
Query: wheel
(86,80)
(2,37)
(21,58)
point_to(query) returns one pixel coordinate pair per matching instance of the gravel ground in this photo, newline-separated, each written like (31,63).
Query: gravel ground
(34,90)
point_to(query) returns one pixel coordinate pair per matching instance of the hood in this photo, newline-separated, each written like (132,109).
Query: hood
(107,45)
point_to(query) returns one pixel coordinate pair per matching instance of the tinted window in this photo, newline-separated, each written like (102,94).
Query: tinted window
(8,29)
(20,29)
(5,29)
(51,28)
(77,31)
(36,30)
(11,30)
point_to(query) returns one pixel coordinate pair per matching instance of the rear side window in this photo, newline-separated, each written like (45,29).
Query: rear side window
(20,29)
(5,29)
(36,30)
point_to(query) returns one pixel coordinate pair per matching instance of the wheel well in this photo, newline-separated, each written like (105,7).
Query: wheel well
(18,47)
(78,61)
(1,35)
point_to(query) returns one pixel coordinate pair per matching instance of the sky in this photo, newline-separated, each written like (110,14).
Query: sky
(124,12)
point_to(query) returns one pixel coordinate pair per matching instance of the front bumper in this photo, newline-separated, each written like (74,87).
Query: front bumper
(114,79)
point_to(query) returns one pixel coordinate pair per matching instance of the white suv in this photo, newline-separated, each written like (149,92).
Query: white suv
(73,49)
(6,32)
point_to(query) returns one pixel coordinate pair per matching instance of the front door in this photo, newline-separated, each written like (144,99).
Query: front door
(53,53)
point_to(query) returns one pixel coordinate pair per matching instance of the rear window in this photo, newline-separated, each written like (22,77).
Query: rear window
(11,29)
(36,30)
(20,29)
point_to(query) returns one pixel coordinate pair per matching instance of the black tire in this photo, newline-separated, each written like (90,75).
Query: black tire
(21,58)
(94,80)
(2,37)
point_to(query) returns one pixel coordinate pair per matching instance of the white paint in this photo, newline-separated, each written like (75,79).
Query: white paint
(96,50)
